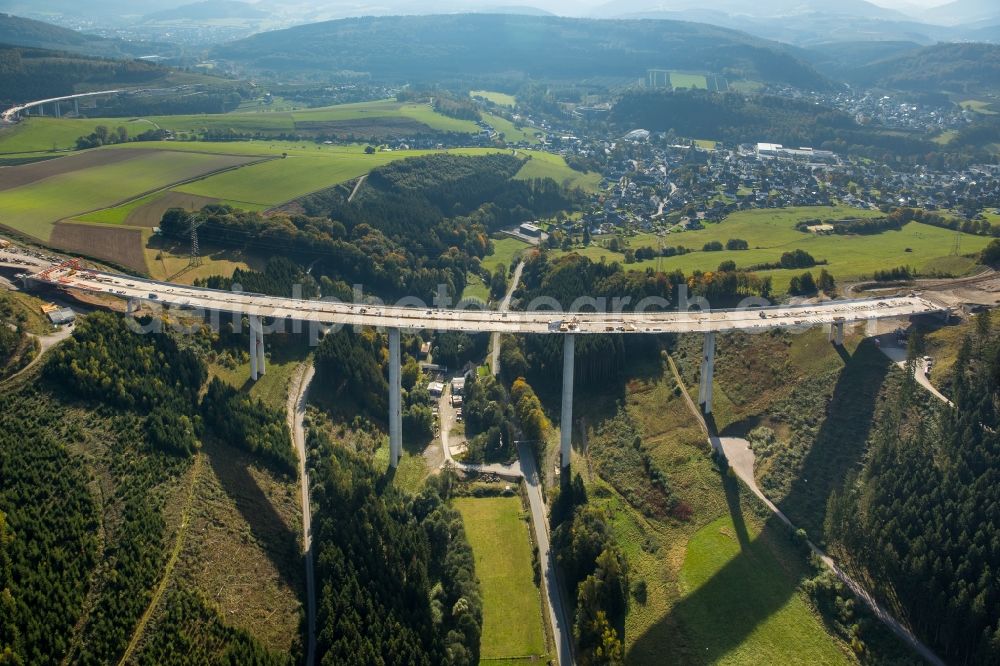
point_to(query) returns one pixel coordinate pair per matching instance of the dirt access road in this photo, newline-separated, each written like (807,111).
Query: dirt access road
(741,459)
(296,423)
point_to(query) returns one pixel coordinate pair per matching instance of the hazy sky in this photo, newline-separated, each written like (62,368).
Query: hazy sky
(903,4)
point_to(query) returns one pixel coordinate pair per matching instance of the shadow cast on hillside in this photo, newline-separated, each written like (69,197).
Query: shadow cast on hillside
(845,355)
(719,616)
(840,443)
(278,542)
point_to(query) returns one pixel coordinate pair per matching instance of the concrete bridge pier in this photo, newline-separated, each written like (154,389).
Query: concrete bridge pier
(707,374)
(257,368)
(57,111)
(76,107)
(395,397)
(837,334)
(566,420)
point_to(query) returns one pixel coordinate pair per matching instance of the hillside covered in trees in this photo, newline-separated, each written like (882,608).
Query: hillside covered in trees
(922,519)
(418,223)
(33,73)
(477,46)
(79,558)
(20,31)
(395,573)
(970,69)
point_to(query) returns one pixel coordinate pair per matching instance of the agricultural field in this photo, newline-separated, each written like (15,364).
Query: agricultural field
(119,245)
(41,134)
(512,610)
(102,202)
(498,98)
(97,202)
(770,233)
(35,207)
(547,165)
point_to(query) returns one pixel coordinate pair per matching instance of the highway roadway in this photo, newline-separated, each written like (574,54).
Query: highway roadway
(11,113)
(538,322)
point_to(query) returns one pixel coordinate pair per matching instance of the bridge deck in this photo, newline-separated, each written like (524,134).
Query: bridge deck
(474,320)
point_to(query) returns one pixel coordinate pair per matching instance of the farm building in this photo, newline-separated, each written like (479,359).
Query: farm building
(435,389)
(530,229)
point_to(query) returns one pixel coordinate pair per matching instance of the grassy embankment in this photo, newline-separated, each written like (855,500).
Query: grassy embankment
(720,585)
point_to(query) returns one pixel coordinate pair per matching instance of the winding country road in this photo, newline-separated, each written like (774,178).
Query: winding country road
(551,585)
(897,355)
(299,388)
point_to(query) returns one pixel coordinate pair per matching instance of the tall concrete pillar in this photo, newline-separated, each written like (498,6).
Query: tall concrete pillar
(261,370)
(395,397)
(254,354)
(76,107)
(707,374)
(57,111)
(837,334)
(566,421)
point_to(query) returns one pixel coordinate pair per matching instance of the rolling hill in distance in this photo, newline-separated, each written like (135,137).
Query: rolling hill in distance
(209,10)
(960,68)
(18,31)
(423,48)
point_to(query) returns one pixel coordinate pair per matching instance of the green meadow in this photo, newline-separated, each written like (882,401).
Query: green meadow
(498,98)
(504,251)
(46,134)
(509,131)
(770,233)
(268,184)
(512,610)
(739,600)
(547,165)
(40,134)
(721,586)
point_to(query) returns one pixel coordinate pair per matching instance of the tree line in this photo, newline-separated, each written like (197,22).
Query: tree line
(596,574)
(922,518)
(395,573)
